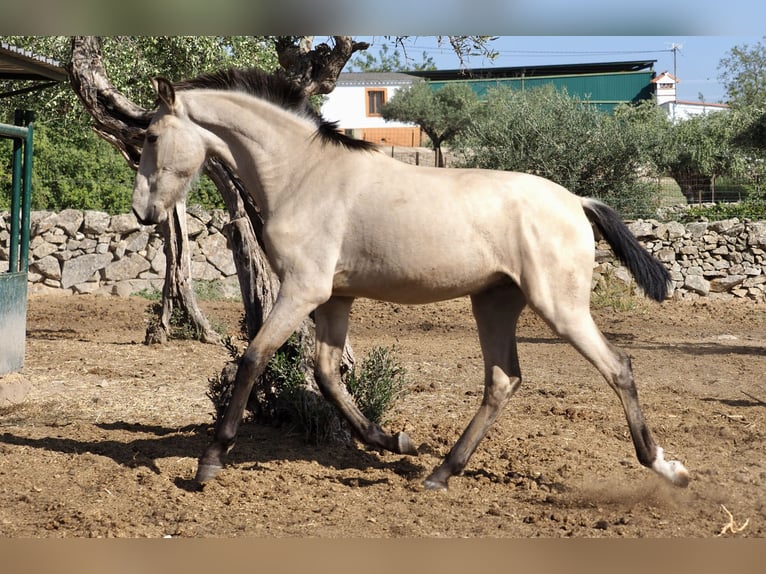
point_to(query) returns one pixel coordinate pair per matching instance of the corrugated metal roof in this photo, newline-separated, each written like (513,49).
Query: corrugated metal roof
(19,64)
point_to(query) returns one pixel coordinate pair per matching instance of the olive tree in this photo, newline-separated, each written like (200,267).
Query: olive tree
(442,114)
(568,140)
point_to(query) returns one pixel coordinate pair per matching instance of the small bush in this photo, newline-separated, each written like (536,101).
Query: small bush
(282,396)
(377,384)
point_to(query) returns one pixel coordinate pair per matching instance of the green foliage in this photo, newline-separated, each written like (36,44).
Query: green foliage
(753,208)
(87,174)
(387,61)
(284,398)
(548,133)
(442,114)
(743,72)
(377,384)
(307,411)
(73,167)
(615,295)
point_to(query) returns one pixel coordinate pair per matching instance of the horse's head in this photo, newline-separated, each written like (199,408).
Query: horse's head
(173,153)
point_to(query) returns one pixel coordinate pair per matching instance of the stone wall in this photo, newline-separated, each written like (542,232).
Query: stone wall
(720,259)
(92,252)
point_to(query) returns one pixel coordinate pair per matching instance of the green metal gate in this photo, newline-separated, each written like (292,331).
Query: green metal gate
(13,283)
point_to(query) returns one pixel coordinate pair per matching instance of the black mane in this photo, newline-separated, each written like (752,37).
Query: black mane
(278,90)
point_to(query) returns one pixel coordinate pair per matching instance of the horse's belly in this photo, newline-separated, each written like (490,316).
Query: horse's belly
(414,288)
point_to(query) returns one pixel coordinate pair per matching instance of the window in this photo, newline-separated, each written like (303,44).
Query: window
(375,100)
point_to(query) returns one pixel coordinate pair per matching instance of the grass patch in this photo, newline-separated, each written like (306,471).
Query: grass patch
(613,294)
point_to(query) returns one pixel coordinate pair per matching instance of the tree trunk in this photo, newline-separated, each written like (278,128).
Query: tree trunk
(692,184)
(122,123)
(177,290)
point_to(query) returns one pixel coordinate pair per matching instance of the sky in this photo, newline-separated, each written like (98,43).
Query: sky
(696,57)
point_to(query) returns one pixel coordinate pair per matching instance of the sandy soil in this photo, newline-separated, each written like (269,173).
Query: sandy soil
(107,441)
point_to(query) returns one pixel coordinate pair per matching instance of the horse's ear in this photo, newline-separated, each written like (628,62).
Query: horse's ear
(165,91)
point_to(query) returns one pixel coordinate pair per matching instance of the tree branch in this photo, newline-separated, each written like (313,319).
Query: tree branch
(315,70)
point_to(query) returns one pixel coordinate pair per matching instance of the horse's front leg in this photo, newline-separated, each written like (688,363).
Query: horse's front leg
(284,319)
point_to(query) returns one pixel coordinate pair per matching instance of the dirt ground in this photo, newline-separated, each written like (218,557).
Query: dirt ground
(107,441)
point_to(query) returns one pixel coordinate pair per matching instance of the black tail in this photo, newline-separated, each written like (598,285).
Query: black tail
(650,274)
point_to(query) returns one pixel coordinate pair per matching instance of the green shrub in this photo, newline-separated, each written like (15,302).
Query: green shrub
(377,384)
(282,397)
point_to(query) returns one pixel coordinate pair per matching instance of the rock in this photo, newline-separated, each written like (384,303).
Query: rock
(666,255)
(43,250)
(95,222)
(199,213)
(697,284)
(14,389)
(721,284)
(158,262)
(81,269)
(204,271)
(622,274)
(757,234)
(641,229)
(137,241)
(723,225)
(696,230)
(126,268)
(124,223)
(49,267)
(675,230)
(70,221)
(194,226)
(41,221)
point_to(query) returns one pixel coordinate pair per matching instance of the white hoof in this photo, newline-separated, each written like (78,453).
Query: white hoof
(671,470)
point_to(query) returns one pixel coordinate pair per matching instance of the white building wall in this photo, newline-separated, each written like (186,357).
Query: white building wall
(678,111)
(348,106)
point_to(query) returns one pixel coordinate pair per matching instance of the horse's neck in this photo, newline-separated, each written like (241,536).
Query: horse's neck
(264,143)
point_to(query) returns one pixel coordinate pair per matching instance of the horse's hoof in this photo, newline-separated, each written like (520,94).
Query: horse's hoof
(206,472)
(671,470)
(434,484)
(405,444)
(680,474)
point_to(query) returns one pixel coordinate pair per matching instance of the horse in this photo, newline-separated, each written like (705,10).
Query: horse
(342,220)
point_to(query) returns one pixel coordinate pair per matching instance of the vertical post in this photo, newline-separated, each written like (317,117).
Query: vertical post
(26,198)
(13,260)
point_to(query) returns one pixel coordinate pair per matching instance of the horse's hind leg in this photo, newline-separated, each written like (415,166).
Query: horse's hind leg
(569,314)
(496,311)
(331,328)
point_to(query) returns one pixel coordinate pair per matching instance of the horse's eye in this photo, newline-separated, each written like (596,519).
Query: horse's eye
(151,138)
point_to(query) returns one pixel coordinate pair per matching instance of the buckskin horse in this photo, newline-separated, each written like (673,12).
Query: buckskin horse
(342,221)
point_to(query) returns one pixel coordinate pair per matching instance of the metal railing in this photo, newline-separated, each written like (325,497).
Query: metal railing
(21,188)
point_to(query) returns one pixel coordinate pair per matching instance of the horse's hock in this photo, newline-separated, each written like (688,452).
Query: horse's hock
(92,252)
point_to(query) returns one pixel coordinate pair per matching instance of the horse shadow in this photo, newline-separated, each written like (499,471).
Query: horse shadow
(257,446)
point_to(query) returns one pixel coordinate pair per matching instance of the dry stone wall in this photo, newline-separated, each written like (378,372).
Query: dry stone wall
(93,252)
(720,259)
